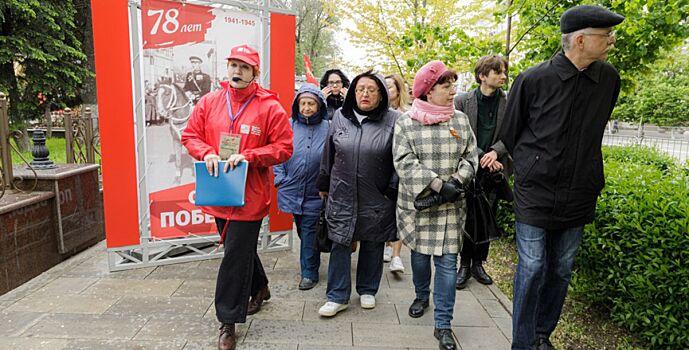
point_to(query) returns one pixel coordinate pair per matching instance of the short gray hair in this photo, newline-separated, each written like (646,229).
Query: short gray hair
(568,37)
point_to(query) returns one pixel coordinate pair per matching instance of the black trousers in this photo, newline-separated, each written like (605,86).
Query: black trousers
(473,252)
(241,273)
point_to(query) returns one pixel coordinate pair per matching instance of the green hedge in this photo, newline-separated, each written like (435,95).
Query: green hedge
(633,258)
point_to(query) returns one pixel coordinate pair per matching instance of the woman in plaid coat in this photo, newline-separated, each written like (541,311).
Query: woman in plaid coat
(435,156)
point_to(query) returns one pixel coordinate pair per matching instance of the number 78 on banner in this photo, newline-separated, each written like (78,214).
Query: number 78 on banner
(168,24)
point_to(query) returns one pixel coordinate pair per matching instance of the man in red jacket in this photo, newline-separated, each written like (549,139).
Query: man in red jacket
(251,121)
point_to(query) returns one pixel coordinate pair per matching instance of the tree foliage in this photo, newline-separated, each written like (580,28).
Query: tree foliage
(426,42)
(39,53)
(315,34)
(394,32)
(662,95)
(650,27)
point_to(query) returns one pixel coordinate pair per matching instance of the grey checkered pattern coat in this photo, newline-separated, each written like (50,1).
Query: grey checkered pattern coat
(420,154)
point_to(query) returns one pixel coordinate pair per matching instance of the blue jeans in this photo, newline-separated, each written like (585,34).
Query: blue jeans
(309,258)
(540,283)
(369,270)
(444,284)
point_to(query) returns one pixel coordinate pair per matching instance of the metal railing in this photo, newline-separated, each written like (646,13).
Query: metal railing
(674,147)
(81,138)
(7,179)
(6,164)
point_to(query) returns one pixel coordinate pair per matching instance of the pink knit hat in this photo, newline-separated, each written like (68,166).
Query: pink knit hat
(427,76)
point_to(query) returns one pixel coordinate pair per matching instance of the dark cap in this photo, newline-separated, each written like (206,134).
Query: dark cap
(195,58)
(588,16)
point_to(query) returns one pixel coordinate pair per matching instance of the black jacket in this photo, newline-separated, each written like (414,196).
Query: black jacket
(334,102)
(554,124)
(357,171)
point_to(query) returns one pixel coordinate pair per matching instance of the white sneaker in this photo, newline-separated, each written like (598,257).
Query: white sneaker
(396,264)
(330,309)
(368,301)
(387,254)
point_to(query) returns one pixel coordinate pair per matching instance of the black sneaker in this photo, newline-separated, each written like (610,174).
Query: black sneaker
(544,344)
(307,283)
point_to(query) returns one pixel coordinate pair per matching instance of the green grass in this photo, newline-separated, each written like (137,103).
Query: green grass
(58,152)
(582,325)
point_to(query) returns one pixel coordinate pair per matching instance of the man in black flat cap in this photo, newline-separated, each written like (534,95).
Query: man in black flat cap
(554,123)
(196,83)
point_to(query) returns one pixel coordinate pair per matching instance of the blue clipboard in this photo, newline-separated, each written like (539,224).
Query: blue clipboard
(226,190)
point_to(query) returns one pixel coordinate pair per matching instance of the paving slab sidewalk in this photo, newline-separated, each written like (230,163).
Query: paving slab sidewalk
(79,304)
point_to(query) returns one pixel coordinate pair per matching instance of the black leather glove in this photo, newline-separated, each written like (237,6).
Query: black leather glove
(428,201)
(451,190)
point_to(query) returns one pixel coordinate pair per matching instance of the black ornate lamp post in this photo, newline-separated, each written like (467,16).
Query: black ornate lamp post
(40,152)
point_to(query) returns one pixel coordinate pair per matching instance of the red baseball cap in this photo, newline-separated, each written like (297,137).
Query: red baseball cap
(246,54)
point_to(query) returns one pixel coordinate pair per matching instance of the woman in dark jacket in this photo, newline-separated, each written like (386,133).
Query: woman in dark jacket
(334,85)
(296,178)
(358,175)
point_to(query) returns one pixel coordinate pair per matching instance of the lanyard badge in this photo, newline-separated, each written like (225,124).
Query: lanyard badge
(230,142)
(229,145)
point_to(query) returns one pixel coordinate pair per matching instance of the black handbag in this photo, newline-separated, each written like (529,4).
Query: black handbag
(496,183)
(480,226)
(321,242)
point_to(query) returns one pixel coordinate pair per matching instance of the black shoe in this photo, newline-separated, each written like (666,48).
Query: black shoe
(418,307)
(307,283)
(480,274)
(445,339)
(463,276)
(544,344)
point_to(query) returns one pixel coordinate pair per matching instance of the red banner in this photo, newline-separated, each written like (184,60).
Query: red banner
(309,72)
(173,214)
(166,25)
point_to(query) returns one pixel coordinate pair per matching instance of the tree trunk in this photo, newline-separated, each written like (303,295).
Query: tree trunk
(88,90)
(7,75)
(21,139)
(48,120)
(507,40)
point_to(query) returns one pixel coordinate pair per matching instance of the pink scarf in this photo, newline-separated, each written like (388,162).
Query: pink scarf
(429,114)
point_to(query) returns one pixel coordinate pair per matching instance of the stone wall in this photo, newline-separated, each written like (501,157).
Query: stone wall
(62,216)
(28,241)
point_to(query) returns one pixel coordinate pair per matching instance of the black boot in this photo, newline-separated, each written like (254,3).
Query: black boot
(463,276)
(480,274)
(445,339)
(418,307)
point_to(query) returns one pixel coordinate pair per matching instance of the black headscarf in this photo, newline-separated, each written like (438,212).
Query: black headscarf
(350,105)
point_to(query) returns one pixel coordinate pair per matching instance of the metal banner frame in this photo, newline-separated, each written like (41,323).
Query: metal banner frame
(152,251)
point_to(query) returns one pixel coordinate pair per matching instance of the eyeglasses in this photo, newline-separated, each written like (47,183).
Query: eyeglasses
(361,90)
(610,34)
(334,83)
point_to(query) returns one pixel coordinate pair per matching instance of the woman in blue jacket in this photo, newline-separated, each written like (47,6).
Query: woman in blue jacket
(295,179)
